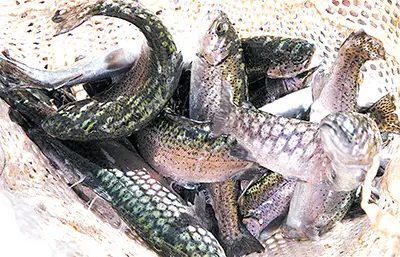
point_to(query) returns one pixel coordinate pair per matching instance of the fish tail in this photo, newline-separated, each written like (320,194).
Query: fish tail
(220,121)
(243,245)
(382,112)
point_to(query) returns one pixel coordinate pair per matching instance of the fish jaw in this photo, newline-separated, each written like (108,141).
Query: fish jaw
(219,41)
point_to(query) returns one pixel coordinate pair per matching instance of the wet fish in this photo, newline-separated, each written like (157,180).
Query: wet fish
(338,91)
(218,63)
(139,97)
(264,201)
(318,154)
(314,209)
(111,65)
(161,218)
(268,90)
(183,150)
(276,57)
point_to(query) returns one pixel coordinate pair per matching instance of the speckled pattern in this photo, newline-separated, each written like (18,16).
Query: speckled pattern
(28,32)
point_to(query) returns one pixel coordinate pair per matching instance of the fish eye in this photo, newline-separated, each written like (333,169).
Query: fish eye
(221,29)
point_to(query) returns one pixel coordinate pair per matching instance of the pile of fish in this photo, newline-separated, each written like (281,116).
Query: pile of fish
(209,173)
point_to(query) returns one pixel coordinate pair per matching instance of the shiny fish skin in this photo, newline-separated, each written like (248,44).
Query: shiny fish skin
(218,63)
(268,90)
(276,57)
(234,237)
(157,214)
(139,97)
(339,90)
(110,65)
(265,200)
(183,150)
(295,148)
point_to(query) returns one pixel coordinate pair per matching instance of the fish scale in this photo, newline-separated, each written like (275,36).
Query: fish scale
(158,215)
(141,94)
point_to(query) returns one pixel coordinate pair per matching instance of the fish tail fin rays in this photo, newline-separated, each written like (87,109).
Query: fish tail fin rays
(382,112)
(243,245)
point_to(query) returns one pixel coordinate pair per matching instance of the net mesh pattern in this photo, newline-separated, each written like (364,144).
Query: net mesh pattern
(26,30)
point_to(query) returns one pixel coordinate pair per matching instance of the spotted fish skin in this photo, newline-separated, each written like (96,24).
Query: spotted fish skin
(218,62)
(157,214)
(139,97)
(183,150)
(314,209)
(265,200)
(276,57)
(339,89)
(301,149)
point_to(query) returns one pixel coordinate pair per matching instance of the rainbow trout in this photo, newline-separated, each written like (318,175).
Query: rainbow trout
(276,57)
(218,63)
(336,153)
(183,150)
(139,97)
(137,194)
(110,65)
(314,209)
(265,201)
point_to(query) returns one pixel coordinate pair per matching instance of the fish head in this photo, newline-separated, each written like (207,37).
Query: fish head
(351,138)
(351,141)
(220,40)
(365,46)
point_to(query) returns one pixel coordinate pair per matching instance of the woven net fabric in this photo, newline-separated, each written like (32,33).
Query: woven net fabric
(34,192)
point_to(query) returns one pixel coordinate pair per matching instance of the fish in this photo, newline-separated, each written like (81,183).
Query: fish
(339,89)
(264,201)
(315,153)
(218,62)
(139,97)
(135,191)
(111,65)
(315,209)
(182,149)
(268,90)
(233,235)
(276,57)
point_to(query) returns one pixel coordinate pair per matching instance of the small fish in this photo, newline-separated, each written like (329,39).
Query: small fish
(338,91)
(139,97)
(134,190)
(268,90)
(183,150)
(318,154)
(314,209)
(265,200)
(111,65)
(276,57)
(218,63)
(233,235)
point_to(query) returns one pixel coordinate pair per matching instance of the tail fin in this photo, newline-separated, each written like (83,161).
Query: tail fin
(220,121)
(382,112)
(244,245)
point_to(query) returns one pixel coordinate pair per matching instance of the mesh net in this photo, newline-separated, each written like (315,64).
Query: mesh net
(29,181)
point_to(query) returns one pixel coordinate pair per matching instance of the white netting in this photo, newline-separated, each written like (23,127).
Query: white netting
(27,31)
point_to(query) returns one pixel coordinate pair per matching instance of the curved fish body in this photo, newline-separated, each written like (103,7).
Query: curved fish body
(265,200)
(139,97)
(339,89)
(268,90)
(110,65)
(336,153)
(315,209)
(218,63)
(182,149)
(134,190)
(276,57)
